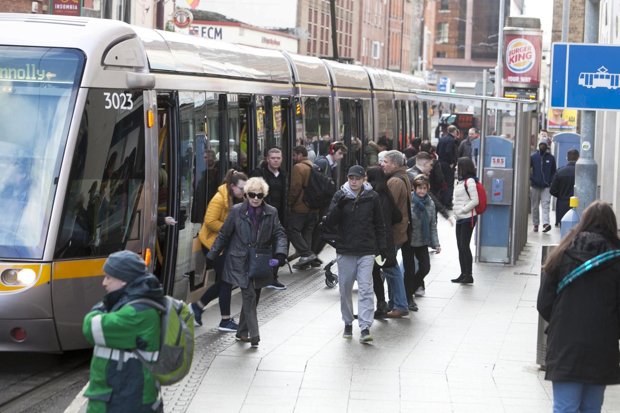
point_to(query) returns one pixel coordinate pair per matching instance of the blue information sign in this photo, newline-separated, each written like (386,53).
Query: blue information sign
(585,76)
(444,84)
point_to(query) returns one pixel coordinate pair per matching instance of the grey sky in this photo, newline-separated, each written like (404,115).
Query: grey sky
(263,13)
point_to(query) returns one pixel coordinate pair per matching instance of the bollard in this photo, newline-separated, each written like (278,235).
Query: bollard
(571,218)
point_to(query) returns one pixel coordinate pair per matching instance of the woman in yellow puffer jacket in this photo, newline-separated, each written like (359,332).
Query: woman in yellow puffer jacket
(229,193)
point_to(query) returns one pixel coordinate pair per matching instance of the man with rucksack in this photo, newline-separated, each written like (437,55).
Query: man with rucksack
(124,333)
(328,166)
(301,219)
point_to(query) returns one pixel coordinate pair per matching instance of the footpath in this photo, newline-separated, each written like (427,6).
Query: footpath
(468,348)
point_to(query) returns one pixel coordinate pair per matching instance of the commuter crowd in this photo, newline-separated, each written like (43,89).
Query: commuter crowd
(382,222)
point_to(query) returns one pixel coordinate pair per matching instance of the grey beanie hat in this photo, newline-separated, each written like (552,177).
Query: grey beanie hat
(125,266)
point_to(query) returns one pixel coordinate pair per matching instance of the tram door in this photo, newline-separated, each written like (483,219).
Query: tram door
(352,131)
(173,249)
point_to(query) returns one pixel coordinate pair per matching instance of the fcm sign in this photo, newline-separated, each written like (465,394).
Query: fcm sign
(585,76)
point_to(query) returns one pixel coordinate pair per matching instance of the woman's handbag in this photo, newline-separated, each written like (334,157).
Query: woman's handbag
(259,263)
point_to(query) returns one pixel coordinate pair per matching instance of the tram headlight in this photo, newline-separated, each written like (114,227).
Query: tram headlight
(23,276)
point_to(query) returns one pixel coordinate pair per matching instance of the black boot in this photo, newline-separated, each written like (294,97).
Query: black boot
(382,309)
(458,279)
(468,279)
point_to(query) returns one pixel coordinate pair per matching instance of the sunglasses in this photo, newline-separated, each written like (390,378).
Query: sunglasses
(255,195)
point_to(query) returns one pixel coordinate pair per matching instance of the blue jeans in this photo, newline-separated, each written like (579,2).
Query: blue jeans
(573,397)
(396,288)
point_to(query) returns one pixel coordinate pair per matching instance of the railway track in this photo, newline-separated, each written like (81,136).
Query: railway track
(41,382)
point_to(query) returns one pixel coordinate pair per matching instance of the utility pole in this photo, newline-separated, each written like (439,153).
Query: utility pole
(499,70)
(586,168)
(332,12)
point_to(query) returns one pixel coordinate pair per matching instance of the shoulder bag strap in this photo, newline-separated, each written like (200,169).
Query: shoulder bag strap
(585,267)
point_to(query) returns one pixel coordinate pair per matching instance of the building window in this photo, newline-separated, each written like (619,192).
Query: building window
(442,33)
(444,5)
(376,50)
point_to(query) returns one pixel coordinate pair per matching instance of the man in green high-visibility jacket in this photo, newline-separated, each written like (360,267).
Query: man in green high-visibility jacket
(119,382)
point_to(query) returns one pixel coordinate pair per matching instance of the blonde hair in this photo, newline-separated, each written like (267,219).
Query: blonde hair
(257,185)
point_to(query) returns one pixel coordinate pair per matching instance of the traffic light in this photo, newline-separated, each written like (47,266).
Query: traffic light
(492,75)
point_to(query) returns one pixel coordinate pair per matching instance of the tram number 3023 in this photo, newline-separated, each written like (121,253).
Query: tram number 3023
(114,100)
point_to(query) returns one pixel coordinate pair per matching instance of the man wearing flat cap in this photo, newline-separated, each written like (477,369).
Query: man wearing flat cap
(355,213)
(542,170)
(118,328)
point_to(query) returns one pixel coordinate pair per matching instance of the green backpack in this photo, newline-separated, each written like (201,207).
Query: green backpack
(177,340)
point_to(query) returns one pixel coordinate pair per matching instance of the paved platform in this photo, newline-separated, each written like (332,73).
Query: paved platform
(468,349)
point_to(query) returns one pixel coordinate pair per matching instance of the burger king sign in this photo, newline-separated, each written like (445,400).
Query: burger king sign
(522,60)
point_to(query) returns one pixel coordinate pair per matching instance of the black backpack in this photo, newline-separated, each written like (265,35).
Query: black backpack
(319,191)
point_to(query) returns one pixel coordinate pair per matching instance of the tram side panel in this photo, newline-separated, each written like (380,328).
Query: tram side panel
(103,205)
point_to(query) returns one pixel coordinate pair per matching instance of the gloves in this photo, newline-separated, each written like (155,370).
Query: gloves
(281,259)
(342,202)
(273,262)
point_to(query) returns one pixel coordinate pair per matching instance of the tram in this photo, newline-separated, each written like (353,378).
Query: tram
(107,129)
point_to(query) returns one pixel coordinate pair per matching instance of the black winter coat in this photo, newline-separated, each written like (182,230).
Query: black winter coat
(584,319)
(359,223)
(563,187)
(236,236)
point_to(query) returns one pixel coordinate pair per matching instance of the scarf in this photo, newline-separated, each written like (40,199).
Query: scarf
(255,214)
(419,208)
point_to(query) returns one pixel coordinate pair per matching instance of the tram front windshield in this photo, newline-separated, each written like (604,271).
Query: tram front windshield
(38,88)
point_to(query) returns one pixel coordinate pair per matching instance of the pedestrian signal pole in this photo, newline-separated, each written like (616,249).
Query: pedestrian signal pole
(586,168)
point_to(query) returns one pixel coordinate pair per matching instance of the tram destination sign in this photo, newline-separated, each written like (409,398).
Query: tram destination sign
(585,76)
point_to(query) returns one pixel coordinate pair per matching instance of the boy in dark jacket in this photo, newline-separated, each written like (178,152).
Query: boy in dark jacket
(356,213)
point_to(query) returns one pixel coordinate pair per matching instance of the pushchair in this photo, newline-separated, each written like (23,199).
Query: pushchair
(330,236)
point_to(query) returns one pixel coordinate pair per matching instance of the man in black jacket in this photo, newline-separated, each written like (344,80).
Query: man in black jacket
(447,152)
(563,185)
(271,171)
(355,212)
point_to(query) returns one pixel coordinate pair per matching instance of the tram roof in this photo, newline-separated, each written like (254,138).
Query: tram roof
(174,52)
(348,76)
(308,70)
(92,36)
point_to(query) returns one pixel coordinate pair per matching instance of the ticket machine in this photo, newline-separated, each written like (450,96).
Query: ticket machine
(497,176)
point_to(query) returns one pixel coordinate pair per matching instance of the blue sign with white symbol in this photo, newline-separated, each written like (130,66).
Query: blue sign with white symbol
(585,76)
(444,84)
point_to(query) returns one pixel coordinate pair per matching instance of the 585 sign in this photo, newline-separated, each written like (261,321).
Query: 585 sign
(118,100)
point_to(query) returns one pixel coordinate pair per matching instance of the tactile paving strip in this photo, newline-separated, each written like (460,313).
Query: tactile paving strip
(178,397)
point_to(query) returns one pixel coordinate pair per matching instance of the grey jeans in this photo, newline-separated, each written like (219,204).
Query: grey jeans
(540,196)
(350,269)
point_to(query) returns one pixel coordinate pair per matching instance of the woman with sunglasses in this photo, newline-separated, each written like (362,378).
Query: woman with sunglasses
(228,194)
(252,223)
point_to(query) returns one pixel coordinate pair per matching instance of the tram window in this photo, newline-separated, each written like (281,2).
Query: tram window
(106,178)
(317,124)
(261,128)
(35,116)
(238,131)
(386,121)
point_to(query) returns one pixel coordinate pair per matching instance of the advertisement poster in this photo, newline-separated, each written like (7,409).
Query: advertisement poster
(562,120)
(522,58)
(66,7)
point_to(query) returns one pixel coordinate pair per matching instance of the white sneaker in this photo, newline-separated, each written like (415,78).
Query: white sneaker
(420,292)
